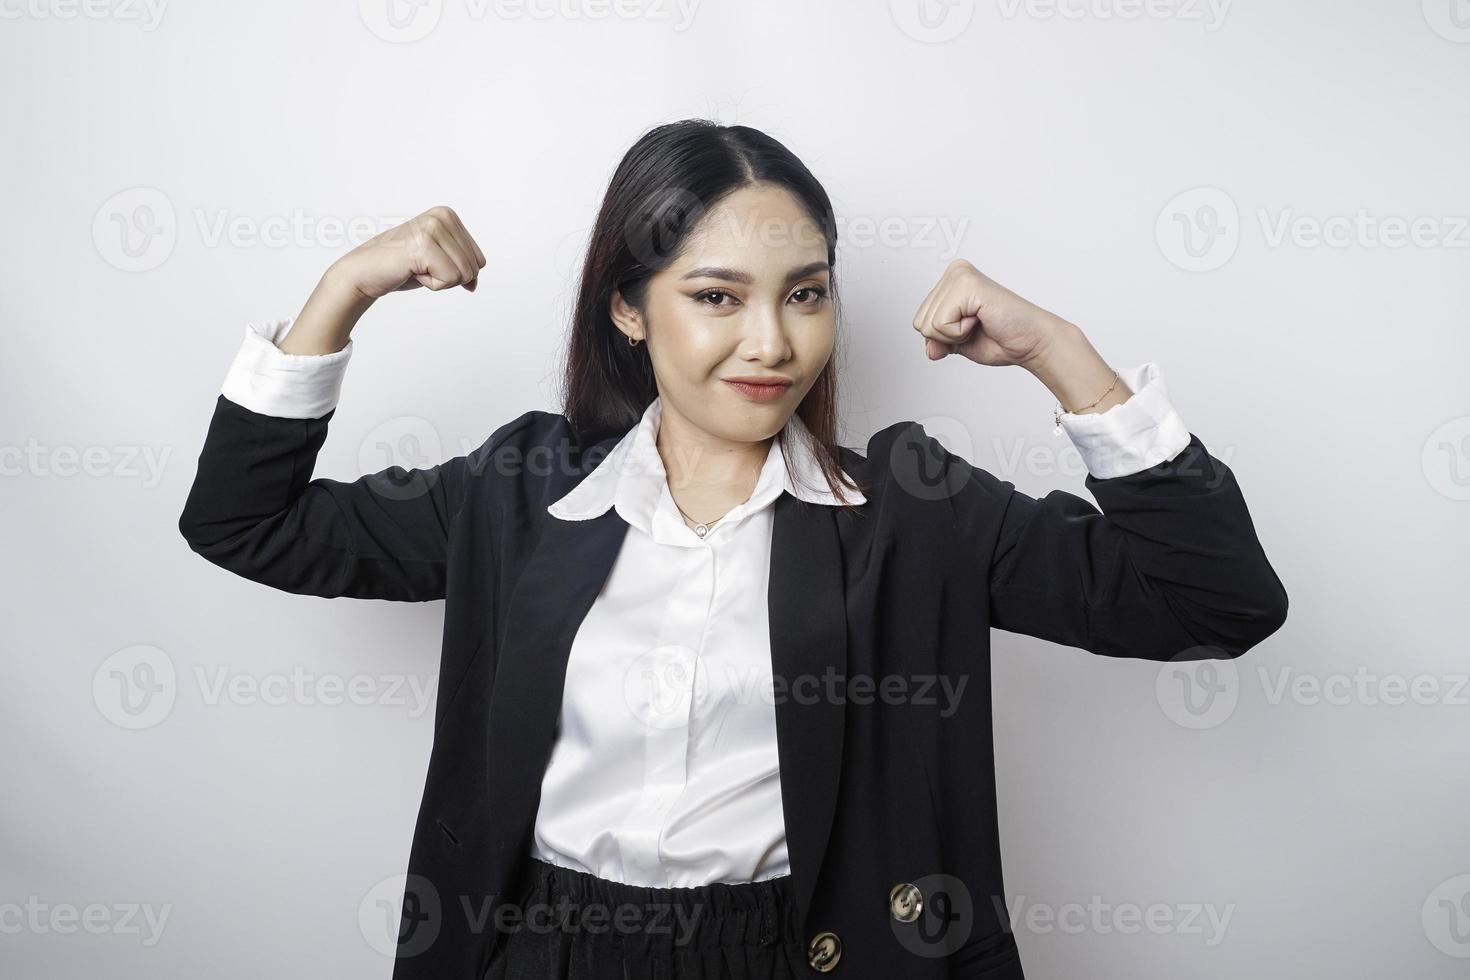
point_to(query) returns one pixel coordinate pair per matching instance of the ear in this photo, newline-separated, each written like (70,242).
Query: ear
(625,317)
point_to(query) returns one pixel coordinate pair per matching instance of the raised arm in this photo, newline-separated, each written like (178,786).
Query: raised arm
(1171,567)
(253,508)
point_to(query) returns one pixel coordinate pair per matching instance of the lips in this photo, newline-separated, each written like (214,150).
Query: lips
(758,389)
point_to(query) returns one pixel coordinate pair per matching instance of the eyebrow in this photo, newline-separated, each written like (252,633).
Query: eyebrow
(745,278)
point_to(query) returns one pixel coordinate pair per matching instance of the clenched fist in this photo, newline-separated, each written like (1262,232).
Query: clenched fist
(432,250)
(971,314)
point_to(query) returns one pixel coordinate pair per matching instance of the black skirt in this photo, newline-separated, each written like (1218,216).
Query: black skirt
(571,925)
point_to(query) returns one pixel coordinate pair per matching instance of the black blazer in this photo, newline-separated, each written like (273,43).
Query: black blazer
(884,783)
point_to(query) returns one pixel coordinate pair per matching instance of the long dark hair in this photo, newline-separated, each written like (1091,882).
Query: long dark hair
(667,181)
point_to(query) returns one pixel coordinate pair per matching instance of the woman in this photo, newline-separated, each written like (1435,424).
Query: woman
(714,691)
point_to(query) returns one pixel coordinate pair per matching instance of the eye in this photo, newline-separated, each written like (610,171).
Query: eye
(708,293)
(819,293)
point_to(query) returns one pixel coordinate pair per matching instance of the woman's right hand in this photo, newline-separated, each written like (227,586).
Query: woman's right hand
(432,250)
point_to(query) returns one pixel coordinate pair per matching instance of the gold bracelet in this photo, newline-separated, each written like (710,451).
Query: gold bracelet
(1057,413)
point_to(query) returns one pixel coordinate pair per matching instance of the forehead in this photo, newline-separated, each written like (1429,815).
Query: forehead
(764,227)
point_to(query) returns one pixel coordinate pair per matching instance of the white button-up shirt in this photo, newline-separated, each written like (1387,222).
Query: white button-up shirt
(665,770)
(665,767)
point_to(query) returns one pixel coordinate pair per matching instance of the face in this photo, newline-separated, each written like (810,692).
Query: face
(749,297)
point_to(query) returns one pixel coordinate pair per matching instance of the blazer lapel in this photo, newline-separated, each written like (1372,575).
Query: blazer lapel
(808,622)
(567,569)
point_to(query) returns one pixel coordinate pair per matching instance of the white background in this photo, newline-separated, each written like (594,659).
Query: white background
(172,173)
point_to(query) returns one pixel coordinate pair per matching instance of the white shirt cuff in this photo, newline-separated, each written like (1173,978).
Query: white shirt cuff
(1131,436)
(268,381)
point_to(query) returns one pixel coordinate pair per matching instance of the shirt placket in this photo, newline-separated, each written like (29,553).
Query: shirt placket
(670,688)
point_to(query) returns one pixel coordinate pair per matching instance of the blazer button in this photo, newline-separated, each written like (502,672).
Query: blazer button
(906,902)
(824,951)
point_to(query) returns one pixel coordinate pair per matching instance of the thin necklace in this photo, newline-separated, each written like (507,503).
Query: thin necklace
(699,529)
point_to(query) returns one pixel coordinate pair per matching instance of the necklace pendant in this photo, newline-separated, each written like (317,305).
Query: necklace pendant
(701,529)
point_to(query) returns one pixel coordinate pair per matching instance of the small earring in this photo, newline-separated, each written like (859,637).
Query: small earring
(632,342)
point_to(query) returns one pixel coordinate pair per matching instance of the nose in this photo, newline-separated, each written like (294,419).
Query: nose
(765,338)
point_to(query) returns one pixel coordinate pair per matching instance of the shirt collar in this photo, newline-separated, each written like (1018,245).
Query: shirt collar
(631,477)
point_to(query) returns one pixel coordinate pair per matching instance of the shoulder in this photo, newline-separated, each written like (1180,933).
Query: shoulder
(538,429)
(539,449)
(907,465)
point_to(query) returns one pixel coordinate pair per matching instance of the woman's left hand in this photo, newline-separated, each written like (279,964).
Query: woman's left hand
(969,313)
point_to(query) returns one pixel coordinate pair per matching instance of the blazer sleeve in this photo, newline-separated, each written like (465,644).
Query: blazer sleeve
(1170,568)
(254,510)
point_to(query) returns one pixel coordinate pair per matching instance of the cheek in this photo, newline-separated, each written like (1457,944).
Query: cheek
(688,345)
(686,350)
(814,346)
